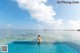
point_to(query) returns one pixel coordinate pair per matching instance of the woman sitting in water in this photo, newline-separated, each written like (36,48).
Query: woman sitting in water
(39,39)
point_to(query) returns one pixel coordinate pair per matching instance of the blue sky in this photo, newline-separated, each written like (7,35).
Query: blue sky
(11,14)
(20,15)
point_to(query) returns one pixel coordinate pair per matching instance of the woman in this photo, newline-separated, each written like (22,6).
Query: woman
(39,39)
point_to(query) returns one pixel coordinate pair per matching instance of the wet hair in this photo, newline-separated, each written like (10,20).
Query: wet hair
(38,35)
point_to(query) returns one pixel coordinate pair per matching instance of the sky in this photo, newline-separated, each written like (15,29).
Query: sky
(39,14)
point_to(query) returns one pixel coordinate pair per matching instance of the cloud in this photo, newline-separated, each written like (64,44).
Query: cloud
(45,14)
(40,11)
(74,24)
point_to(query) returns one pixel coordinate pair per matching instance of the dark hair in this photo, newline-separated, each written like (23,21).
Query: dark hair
(38,35)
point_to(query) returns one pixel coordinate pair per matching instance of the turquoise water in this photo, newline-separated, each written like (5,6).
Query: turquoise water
(8,37)
(42,48)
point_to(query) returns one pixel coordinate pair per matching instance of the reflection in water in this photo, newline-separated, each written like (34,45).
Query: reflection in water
(38,44)
(39,47)
(48,36)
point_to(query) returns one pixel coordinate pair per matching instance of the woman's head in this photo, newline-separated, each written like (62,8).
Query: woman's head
(38,35)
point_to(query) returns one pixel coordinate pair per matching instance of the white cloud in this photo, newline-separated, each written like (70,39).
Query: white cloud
(40,11)
(45,14)
(74,24)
